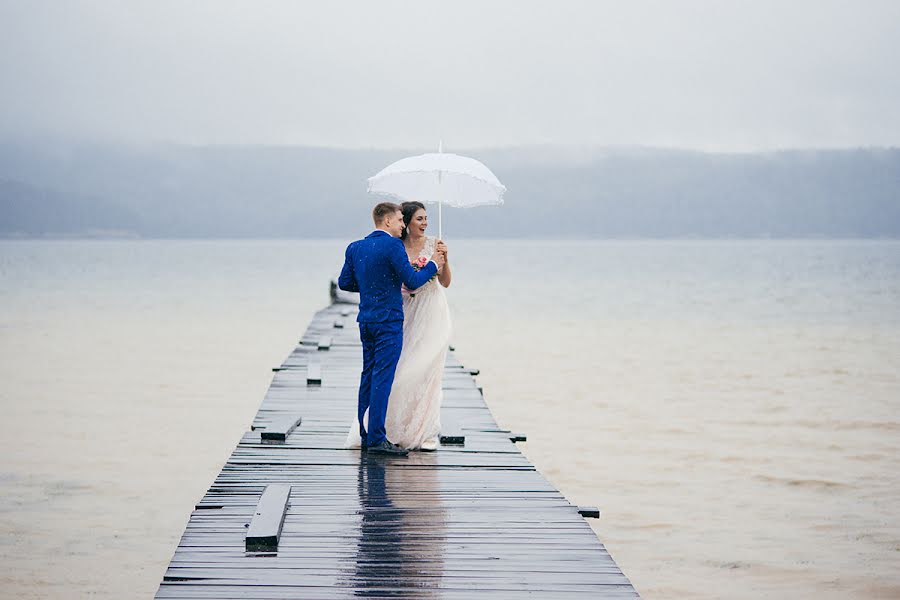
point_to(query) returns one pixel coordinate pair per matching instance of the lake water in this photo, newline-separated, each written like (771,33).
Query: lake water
(733,407)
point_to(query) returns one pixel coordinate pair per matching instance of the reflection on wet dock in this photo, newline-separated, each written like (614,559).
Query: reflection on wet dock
(294,515)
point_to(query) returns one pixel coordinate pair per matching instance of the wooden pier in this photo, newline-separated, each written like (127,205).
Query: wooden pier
(294,515)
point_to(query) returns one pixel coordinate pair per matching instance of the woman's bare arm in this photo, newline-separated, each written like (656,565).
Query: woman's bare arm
(445,276)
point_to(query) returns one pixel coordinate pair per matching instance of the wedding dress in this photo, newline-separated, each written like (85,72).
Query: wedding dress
(414,408)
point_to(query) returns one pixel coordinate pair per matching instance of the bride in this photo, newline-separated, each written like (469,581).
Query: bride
(413,418)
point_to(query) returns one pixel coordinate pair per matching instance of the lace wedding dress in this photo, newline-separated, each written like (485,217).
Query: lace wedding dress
(414,407)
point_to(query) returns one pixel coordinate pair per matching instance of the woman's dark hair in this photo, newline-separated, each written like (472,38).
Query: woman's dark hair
(409,209)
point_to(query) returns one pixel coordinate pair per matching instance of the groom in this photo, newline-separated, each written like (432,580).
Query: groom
(375,267)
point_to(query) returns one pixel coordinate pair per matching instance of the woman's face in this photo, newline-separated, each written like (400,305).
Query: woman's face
(418,224)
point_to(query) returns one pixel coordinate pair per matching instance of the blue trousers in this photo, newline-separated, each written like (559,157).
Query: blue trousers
(382,343)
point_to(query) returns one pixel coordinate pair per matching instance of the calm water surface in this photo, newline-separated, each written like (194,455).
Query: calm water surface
(732,406)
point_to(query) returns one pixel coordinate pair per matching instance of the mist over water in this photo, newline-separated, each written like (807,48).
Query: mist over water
(731,406)
(254,192)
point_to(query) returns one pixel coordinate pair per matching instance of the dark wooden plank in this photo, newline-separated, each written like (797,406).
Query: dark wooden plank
(453,437)
(280,428)
(314,373)
(265,527)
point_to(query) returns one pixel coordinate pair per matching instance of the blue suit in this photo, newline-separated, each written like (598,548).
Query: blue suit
(375,267)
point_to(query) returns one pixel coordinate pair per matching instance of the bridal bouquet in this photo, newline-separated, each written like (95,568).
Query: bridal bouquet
(418,265)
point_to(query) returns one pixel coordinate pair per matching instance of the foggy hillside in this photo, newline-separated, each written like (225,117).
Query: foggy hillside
(51,189)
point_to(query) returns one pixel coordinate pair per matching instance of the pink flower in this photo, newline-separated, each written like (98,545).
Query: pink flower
(421,261)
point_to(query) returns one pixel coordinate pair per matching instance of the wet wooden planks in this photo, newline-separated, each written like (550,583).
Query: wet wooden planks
(472,520)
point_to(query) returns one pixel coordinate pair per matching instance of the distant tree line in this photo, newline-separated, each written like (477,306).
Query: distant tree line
(49,189)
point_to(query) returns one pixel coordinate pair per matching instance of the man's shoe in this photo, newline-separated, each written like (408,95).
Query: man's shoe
(388,448)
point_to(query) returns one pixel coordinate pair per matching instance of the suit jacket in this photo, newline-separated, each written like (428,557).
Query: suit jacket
(375,266)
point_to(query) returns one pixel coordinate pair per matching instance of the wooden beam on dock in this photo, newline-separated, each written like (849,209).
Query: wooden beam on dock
(589,512)
(280,428)
(453,438)
(324,342)
(314,373)
(268,519)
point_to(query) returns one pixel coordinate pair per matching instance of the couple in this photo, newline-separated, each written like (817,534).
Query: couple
(404,324)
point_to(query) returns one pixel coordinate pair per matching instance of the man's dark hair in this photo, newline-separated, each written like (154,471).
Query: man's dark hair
(383,209)
(409,209)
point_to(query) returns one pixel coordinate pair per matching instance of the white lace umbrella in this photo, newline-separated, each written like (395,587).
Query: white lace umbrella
(440,178)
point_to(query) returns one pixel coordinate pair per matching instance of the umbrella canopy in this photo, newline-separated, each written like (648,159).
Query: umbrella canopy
(441,178)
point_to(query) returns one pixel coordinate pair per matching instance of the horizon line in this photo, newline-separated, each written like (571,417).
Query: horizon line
(545,146)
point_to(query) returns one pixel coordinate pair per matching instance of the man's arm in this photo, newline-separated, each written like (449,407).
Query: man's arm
(411,278)
(347,280)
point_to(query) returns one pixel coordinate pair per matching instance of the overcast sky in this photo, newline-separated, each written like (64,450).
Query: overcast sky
(712,75)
